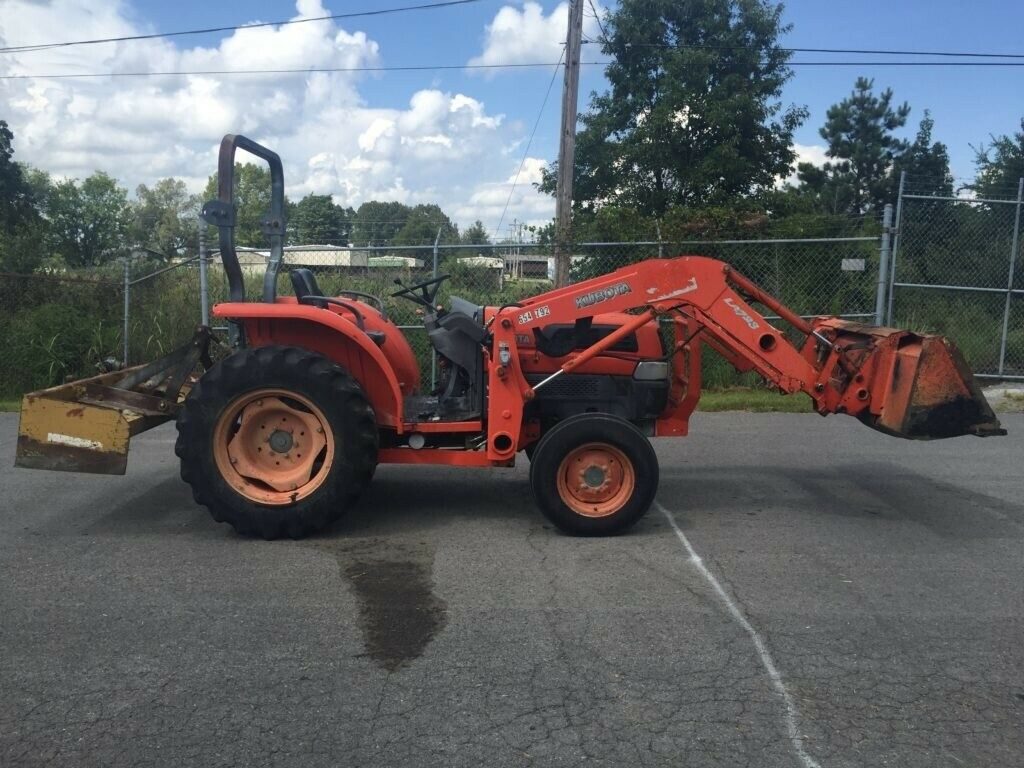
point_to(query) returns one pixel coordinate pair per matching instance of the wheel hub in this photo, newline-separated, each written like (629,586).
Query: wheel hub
(273,446)
(280,441)
(596,479)
(593,477)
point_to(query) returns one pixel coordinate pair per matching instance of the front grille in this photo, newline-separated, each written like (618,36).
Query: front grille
(569,387)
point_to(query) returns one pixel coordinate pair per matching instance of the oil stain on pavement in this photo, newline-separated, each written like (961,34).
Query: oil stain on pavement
(399,614)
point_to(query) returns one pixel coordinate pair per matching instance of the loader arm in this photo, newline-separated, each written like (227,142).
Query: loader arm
(905,384)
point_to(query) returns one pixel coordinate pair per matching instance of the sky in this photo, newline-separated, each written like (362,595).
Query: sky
(455,137)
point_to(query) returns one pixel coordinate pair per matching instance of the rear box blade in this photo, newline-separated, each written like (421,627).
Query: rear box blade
(70,429)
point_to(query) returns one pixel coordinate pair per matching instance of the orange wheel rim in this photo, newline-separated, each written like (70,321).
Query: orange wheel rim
(273,446)
(596,480)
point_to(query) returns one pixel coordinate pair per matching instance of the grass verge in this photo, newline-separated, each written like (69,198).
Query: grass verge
(1013,402)
(753,400)
(10,405)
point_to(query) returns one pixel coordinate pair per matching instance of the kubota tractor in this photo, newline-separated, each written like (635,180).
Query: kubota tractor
(283,435)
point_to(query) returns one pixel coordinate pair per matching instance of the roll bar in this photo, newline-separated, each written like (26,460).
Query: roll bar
(221,213)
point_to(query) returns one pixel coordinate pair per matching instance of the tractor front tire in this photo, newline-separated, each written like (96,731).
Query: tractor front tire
(277,441)
(594,474)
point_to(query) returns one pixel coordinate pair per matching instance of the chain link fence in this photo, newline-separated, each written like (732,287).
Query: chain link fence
(62,327)
(958,270)
(839,276)
(162,310)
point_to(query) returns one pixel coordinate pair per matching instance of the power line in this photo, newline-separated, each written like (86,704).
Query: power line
(871,52)
(905,64)
(308,70)
(529,143)
(597,16)
(452,3)
(859,51)
(234,27)
(433,67)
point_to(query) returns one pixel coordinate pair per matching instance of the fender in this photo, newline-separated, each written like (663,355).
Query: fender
(332,335)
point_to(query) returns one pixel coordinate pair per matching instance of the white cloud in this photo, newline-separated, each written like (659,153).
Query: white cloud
(379,129)
(815,154)
(439,148)
(530,173)
(528,36)
(488,200)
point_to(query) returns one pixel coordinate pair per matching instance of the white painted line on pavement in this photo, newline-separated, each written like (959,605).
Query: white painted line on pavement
(795,738)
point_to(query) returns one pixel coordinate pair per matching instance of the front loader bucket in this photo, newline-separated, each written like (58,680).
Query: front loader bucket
(923,390)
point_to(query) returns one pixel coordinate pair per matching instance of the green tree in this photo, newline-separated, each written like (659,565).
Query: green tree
(40,185)
(252,202)
(693,116)
(22,229)
(16,203)
(614,223)
(824,189)
(423,225)
(315,219)
(925,162)
(810,210)
(860,135)
(1000,165)
(377,223)
(90,222)
(164,219)
(476,234)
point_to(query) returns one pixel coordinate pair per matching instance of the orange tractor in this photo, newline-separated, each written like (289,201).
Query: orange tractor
(282,435)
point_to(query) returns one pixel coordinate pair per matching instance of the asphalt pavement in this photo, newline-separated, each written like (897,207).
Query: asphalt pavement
(857,601)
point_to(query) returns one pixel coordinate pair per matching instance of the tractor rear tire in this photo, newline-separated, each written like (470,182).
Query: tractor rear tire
(594,474)
(244,427)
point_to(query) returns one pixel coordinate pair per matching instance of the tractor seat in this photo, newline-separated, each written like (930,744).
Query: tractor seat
(305,285)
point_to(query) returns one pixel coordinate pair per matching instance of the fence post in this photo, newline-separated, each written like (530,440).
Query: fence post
(204,289)
(433,352)
(883,265)
(127,304)
(1009,281)
(895,247)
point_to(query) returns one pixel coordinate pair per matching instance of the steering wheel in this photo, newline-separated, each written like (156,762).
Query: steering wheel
(425,296)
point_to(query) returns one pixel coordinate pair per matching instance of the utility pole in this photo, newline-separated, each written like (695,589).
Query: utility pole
(567,144)
(517,268)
